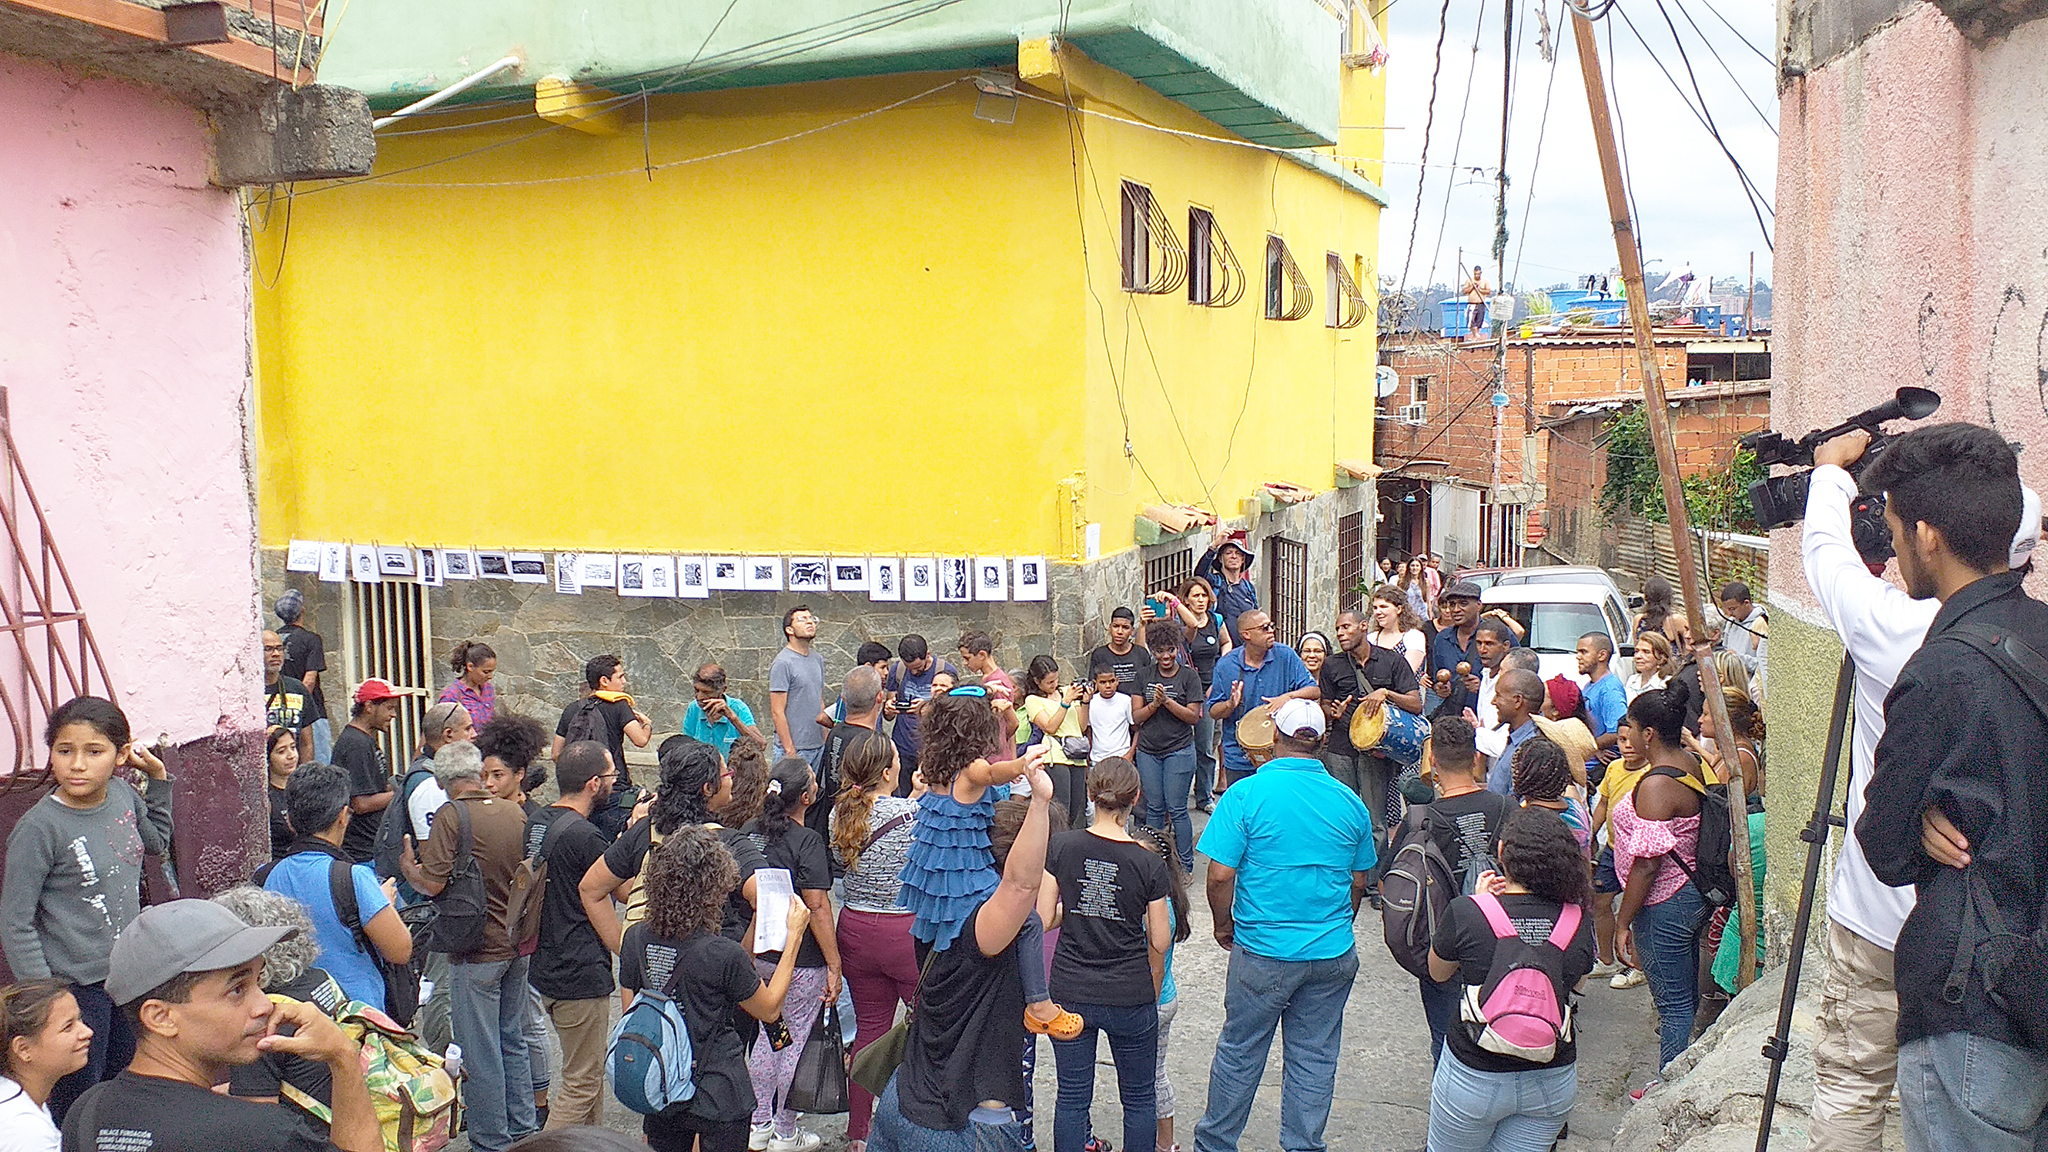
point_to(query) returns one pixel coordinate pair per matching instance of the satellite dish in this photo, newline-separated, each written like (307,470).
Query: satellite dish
(1387,380)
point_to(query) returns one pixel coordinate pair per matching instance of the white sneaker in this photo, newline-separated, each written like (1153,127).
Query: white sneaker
(801,1142)
(1628,978)
(1607,968)
(759,1138)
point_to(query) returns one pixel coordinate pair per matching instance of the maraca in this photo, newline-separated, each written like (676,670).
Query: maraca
(1464,668)
(1443,678)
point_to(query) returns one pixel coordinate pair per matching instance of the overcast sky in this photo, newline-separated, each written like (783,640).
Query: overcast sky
(1689,203)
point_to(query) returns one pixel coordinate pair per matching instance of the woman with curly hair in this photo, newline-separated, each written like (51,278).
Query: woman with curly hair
(1542,772)
(1395,626)
(695,785)
(871,836)
(1479,1098)
(679,951)
(290,968)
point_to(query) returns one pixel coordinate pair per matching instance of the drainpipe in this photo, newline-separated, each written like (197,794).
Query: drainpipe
(451,91)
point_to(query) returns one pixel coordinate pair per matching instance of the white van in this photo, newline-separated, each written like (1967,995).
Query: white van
(1554,616)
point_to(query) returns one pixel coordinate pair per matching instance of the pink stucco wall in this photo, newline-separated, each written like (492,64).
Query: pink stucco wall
(124,348)
(1911,246)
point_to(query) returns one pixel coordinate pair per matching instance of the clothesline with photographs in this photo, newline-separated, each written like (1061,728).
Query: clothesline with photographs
(932,579)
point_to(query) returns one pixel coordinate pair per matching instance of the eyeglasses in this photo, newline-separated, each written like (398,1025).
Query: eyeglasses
(974,690)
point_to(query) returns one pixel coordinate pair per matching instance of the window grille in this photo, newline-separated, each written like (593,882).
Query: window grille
(1169,572)
(1154,263)
(1215,278)
(385,633)
(1350,560)
(1344,304)
(1287,560)
(1500,535)
(1288,295)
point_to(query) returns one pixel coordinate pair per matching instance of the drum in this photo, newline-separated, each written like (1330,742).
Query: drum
(1394,733)
(1255,735)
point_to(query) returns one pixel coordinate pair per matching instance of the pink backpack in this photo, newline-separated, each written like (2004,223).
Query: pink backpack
(1522,1010)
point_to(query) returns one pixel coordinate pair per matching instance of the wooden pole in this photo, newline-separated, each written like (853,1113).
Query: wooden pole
(1749,305)
(1658,416)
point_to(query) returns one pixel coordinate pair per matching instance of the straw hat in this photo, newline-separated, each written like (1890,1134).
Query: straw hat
(1571,735)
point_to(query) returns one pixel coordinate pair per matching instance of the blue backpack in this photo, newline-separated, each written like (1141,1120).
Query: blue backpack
(649,1059)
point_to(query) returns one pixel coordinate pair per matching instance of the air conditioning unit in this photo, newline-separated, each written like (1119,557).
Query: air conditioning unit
(1415,413)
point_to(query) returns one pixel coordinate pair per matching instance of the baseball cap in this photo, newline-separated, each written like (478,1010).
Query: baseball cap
(1463,588)
(2029,535)
(378,688)
(169,940)
(1297,716)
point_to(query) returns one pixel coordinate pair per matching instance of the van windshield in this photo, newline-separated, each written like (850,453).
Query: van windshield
(1556,627)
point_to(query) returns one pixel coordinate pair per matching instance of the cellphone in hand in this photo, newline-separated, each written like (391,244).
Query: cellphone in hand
(778,1034)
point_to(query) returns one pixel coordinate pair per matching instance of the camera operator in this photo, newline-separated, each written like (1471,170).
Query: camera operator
(1961,738)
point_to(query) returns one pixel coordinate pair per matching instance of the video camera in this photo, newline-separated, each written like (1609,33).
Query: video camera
(1781,500)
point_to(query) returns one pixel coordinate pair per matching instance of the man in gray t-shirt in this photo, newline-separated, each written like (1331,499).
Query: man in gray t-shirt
(796,688)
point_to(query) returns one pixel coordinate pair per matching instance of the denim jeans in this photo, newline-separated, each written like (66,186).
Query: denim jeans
(1133,1032)
(1957,1090)
(1205,758)
(323,741)
(1440,1008)
(488,1004)
(1667,942)
(1164,780)
(1305,1000)
(988,1130)
(1474,1111)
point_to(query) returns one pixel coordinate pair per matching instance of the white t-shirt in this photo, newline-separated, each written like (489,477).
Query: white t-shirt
(427,798)
(25,1126)
(1110,722)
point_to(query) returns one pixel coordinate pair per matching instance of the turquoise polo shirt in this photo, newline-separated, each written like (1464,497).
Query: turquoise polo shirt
(1295,836)
(722,734)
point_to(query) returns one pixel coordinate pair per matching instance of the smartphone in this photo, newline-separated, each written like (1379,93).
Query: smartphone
(1157,605)
(778,1034)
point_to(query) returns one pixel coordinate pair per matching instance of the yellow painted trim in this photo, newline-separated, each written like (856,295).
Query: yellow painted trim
(573,104)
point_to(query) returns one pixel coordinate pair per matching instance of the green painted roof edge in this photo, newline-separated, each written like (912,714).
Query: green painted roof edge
(1317,162)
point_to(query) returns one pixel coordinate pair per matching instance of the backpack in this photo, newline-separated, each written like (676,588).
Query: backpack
(1711,875)
(396,826)
(587,722)
(1415,889)
(649,1059)
(1523,1009)
(530,883)
(416,1101)
(462,909)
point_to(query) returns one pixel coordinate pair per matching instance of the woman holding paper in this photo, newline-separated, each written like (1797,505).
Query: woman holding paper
(799,853)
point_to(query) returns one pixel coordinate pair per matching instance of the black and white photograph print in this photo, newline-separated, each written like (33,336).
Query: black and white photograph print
(921,579)
(458,563)
(430,567)
(303,556)
(529,567)
(565,574)
(885,578)
(1030,578)
(647,576)
(692,578)
(807,574)
(396,561)
(991,578)
(632,576)
(333,563)
(362,564)
(727,573)
(849,574)
(492,565)
(764,574)
(956,578)
(597,569)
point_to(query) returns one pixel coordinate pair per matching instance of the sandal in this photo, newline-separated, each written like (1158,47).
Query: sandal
(1065,1026)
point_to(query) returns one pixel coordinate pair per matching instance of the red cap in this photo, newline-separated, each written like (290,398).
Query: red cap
(378,688)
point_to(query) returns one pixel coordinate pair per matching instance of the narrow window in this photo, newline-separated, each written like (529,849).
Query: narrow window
(1137,237)
(1201,264)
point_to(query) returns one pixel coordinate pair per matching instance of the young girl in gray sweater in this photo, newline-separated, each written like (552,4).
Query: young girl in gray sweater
(74,873)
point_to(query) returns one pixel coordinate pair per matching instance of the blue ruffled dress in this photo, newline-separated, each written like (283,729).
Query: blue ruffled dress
(949,870)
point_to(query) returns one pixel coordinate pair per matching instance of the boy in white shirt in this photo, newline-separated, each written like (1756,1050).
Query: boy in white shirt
(1109,715)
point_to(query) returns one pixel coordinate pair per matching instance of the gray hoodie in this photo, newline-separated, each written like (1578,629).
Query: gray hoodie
(74,880)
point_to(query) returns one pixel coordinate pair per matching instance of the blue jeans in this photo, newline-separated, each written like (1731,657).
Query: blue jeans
(1134,1044)
(1473,1111)
(1667,942)
(1164,780)
(323,741)
(488,1004)
(988,1130)
(1957,1090)
(1440,1008)
(1205,757)
(1305,999)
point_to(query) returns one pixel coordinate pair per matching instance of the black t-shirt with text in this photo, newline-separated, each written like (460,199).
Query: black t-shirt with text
(617,714)
(1163,733)
(1465,937)
(1131,667)
(1105,888)
(712,976)
(1469,824)
(288,704)
(804,854)
(571,962)
(158,1115)
(369,772)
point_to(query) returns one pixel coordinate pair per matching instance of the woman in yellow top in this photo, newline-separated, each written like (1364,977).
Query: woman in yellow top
(1060,712)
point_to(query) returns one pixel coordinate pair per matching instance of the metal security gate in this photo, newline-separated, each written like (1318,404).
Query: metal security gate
(1170,571)
(1352,588)
(385,633)
(1287,561)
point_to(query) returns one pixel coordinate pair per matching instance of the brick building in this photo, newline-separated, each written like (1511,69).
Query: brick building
(1484,483)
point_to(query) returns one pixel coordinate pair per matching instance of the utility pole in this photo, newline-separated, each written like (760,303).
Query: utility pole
(1504,548)
(1749,306)
(1657,414)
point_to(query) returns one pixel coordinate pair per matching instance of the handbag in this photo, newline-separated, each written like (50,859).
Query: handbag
(873,1065)
(819,1085)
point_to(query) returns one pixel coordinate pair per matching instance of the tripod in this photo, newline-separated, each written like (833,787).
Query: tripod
(1777,1048)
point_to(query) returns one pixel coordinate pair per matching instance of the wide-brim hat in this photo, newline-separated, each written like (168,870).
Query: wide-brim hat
(1571,735)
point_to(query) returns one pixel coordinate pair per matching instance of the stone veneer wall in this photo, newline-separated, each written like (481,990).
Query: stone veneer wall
(542,638)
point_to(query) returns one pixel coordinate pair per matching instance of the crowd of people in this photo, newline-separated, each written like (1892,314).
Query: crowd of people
(996,856)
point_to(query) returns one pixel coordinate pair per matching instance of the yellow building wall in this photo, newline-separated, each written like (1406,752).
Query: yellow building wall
(1214,402)
(863,339)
